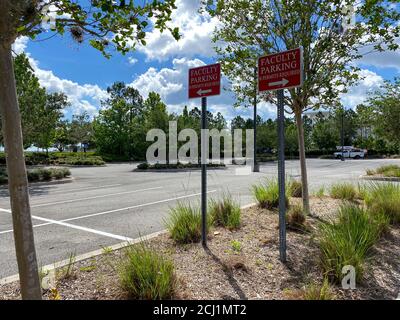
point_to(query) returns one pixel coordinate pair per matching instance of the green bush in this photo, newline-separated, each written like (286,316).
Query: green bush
(383,169)
(145,274)
(184,223)
(384,198)
(267,194)
(33,175)
(3,176)
(225,213)
(344,191)
(66,172)
(59,173)
(143,166)
(42,174)
(295,188)
(83,161)
(45,174)
(387,171)
(348,240)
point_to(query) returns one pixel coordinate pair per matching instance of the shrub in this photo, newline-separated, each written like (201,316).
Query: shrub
(143,166)
(184,223)
(387,168)
(267,194)
(225,213)
(384,198)
(66,172)
(387,171)
(3,179)
(145,274)
(33,175)
(84,161)
(370,172)
(45,174)
(348,240)
(315,291)
(344,191)
(295,218)
(295,189)
(57,173)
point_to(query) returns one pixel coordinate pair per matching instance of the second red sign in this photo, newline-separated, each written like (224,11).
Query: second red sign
(281,70)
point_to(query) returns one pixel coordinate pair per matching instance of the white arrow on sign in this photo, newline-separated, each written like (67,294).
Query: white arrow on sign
(201,92)
(283,82)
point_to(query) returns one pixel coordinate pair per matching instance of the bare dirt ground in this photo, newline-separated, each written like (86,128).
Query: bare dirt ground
(254,272)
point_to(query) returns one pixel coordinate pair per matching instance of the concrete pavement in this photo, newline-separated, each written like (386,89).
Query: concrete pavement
(107,205)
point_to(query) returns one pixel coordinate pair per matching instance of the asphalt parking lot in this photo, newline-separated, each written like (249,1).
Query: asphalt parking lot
(103,206)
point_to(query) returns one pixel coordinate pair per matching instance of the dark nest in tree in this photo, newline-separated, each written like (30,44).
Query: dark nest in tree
(77,33)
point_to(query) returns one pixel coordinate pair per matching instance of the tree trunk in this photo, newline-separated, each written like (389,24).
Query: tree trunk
(17,179)
(303,165)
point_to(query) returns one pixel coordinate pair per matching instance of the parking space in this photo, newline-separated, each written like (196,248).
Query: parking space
(107,205)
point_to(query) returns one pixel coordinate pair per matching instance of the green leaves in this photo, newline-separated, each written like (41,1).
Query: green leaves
(121,23)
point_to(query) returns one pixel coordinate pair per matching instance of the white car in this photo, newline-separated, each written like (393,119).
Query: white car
(350,153)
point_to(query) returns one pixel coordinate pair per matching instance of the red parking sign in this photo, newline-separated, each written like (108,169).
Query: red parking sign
(281,70)
(205,81)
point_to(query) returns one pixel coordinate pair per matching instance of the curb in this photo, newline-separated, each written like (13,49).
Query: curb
(33,184)
(177,170)
(84,256)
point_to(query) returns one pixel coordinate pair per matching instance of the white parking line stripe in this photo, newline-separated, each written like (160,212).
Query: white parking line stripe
(104,212)
(90,198)
(83,189)
(102,233)
(135,207)
(62,223)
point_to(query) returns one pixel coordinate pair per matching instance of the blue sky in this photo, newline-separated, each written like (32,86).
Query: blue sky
(84,74)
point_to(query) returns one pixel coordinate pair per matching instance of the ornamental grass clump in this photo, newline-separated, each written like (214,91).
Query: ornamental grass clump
(184,223)
(225,212)
(267,194)
(348,240)
(384,198)
(145,274)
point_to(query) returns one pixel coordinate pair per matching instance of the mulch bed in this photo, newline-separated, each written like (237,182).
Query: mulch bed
(253,273)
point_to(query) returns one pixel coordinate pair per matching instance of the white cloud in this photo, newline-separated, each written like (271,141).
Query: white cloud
(196,32)
(20,44)
(171,84)
(132,60)
(84,97)
(386,59)
(358,94)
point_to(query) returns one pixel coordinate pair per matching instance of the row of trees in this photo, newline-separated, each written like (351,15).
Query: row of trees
(42,113)
(119,131)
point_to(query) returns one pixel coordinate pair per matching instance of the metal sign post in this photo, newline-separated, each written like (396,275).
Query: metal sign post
(204,81)
(256,168)
(281,176)
(276,72)
(203,171)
